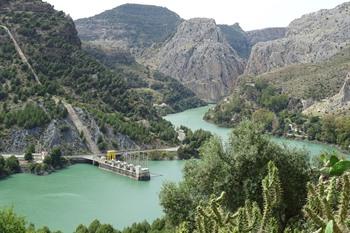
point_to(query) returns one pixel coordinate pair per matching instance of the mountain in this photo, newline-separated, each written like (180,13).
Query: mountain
(152,33)
(313,81)
(205,57)
(53,93)
(129,26)
(313,38)
(200,57)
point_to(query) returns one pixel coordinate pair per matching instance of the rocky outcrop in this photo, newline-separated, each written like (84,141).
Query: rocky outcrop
(312,38)
(60,133)
(199,56)
(266,34)
(336,104)
(113,140)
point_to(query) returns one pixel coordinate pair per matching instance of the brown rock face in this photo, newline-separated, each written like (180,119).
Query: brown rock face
(312,38)
(199,56)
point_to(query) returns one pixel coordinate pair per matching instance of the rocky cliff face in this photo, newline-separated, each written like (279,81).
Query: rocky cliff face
(237,38)
(200,57)
(310,39)
(265,34)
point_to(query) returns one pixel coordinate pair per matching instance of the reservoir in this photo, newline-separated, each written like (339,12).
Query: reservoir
(82,193)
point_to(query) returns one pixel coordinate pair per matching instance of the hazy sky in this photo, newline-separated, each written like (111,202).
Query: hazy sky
(251,14)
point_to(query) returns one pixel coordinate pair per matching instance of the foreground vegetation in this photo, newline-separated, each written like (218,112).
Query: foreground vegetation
(252,185)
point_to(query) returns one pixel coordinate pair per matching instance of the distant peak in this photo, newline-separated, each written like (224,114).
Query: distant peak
(201,20)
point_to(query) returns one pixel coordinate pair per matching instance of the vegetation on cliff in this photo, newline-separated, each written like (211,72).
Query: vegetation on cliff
(49,40)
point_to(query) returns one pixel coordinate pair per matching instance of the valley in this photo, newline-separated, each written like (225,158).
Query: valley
(260,116)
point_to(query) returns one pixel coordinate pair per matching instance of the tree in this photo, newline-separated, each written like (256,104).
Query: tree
(106,228)
(56,157)
(265,118)
(82,229)
(12,164)
(94,225)
(176,202)
(11,223)
(28,156)
(238,170)
(192,143)
(3,169)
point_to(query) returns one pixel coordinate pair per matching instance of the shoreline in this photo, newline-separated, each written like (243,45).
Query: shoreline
(296,138)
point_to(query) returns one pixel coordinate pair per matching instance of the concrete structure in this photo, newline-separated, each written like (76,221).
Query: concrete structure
(123,168)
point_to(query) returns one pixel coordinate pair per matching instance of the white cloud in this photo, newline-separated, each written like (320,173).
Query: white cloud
(251,14)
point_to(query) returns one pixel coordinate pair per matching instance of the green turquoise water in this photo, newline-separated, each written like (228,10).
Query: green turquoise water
(193,119)
(83,193)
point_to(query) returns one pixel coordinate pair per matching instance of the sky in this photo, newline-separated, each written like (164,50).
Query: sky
(250,14)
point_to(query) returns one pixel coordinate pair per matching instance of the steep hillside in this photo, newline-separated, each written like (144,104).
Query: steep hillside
(311,81)
(312,38)
(199,56)
(129,26)
(30,115)
(237,39)
(165,93)
(337,104)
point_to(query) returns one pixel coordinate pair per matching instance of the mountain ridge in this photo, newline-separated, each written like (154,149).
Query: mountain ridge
(233,44)
(29,114)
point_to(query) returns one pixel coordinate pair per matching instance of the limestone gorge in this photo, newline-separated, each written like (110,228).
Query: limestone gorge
(200,57)
(262,117)
(205,57)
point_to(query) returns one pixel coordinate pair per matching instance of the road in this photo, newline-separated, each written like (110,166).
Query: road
(39,157)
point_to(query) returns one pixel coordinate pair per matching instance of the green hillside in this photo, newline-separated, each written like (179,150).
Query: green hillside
(316,81)
(49,40)
(142,25)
